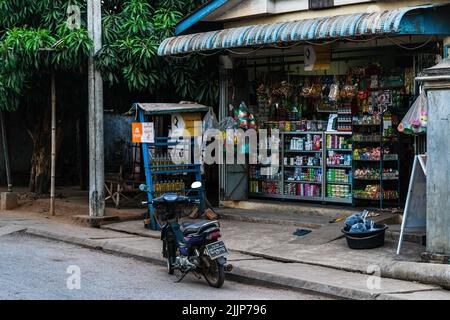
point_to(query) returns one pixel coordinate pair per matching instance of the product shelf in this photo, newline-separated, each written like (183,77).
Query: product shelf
(302,181)
(339,150)
(314,186)
(302,132)
(370,160)
(294,166)
(338,166)
(294,197)
(374,199)
(338,191)
(366,124)
(339,200)
(303,151)
(342,183)
(371,135)
(375,179)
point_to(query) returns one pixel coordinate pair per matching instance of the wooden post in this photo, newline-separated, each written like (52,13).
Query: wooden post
(53,151)
(5,152)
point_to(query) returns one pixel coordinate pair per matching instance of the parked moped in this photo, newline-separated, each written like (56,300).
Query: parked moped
(190,246)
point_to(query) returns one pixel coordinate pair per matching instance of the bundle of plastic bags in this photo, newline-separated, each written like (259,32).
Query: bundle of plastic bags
(358,223)
(415,120)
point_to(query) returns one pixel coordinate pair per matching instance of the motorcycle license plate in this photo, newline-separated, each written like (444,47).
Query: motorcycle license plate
(216,250)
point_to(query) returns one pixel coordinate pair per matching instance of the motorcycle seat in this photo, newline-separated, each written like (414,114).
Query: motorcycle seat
(188,227)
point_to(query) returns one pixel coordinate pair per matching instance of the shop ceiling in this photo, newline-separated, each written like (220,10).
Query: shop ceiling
(341,51)
(419,20)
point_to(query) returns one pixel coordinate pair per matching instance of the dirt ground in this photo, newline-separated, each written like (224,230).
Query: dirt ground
(69,202)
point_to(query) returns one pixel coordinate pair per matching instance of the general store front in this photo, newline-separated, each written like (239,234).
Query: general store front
(336,89)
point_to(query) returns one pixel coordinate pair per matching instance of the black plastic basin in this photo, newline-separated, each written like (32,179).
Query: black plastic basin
(367,239)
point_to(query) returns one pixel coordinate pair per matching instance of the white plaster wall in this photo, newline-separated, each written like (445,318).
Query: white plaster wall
(238,9)
(292,10)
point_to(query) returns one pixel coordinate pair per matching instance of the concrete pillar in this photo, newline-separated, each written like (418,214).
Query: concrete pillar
(436,82)
(95,115)
(446,47)
(8,201)
(225,71)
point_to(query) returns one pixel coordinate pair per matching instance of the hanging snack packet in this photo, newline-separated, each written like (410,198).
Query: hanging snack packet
(334,92)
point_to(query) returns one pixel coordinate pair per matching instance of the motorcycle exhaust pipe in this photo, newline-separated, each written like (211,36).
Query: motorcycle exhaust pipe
(228,267)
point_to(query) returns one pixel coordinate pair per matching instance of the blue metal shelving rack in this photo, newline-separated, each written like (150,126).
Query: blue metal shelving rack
(151,170)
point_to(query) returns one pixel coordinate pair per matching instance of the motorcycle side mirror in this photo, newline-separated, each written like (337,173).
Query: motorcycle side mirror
(196,185)
(143,188)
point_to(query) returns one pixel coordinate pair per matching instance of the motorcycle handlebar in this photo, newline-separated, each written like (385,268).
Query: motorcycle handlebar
(180,199)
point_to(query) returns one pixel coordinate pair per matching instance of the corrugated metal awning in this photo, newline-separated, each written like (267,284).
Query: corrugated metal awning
(167,108)
(407,20)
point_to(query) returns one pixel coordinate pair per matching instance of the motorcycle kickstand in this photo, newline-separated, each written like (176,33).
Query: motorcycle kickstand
(182,277)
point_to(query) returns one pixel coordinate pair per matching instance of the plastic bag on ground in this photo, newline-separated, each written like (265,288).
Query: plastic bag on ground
(353,219)
(358,227)
(369,225)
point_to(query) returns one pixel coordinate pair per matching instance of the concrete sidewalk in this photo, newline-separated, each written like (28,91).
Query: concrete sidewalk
(294,273)
(325,246)
(322,247)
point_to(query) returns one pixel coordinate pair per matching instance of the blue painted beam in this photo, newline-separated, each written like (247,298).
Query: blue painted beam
(197,15)
(431,20)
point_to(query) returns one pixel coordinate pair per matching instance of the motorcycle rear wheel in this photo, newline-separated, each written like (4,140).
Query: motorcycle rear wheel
(215,274)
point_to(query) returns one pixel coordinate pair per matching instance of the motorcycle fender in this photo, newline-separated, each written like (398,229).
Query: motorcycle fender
(164,231)
(222,261)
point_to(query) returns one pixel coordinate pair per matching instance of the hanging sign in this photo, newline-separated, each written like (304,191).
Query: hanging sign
(317,58)
(185,125)
(310,58)
(143,132)
(415,213)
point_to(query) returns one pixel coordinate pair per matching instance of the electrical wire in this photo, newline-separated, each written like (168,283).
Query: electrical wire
(208,54)
(409,48)
(179,57)
(243,53)
(362,40)
(321,43)
(286,47)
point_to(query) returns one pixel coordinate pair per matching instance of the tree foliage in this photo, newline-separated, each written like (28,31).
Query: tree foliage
(132,31)
(35,38)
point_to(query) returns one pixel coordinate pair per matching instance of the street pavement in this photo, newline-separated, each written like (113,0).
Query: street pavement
(38,268)
(321,279)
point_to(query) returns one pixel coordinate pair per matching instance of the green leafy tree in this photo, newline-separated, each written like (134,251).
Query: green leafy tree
(132,32)
(36,41)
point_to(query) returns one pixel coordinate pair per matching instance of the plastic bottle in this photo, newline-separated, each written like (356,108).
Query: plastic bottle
(157,162)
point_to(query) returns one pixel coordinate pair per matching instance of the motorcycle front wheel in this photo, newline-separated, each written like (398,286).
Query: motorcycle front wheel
(170,256)
(214,274)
